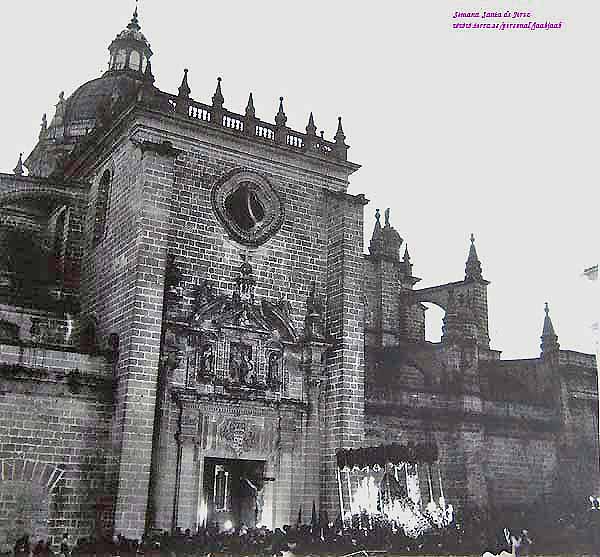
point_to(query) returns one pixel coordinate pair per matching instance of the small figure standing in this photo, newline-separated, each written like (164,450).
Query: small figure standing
(593,526)
(65,547)
(273,369)
(519,545)
(247,376)
(206,360)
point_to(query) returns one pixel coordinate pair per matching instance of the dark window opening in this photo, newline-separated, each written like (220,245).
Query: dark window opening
(101,207)
(244,207)
(57,255)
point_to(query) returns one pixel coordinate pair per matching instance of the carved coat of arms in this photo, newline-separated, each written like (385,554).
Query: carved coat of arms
(238,436)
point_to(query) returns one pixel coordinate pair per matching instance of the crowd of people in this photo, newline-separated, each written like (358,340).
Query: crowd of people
(474,535)
(286,541)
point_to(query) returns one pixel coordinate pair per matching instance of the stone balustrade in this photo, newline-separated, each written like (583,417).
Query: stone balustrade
(256,128)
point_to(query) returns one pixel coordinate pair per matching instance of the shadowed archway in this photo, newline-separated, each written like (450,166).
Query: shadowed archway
(26,486)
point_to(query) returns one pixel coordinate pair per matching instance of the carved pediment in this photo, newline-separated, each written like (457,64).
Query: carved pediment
(240,310)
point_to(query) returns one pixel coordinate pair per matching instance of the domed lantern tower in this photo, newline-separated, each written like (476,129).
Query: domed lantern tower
(130,50)
(96,102)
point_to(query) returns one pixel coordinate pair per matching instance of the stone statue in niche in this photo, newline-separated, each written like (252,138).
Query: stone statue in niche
(205,363)
(241,366)
(273,367)
(247,372)
(314,324)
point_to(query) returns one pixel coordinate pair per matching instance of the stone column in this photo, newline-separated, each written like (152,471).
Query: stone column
(283,510)
(187,482)
(314,370)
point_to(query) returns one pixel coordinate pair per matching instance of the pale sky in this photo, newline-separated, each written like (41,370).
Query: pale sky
(458,131)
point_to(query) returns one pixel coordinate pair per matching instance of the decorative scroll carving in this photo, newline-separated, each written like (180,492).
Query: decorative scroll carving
(202,294)
(233,340)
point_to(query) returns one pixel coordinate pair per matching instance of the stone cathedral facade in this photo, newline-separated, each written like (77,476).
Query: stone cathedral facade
(190,329)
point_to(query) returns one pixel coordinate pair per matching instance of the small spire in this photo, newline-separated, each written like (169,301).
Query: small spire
(549,337)
(311,129)
(148,75)
(18,170)
(339,134)
(340,148)
(217,98)
(376,244)
(473,265)
(406,264)
(184,88)
(250,112)
(387,217)
(548,327)
(134,23)
(280,117)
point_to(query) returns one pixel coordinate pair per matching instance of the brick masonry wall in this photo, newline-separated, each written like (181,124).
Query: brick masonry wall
(479,467)
(519,469)
(123,285)
(344,393)
(45,423)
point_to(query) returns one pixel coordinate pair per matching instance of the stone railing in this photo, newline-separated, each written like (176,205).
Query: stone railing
(251,126)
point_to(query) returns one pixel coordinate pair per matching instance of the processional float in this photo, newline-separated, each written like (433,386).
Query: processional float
(396,485)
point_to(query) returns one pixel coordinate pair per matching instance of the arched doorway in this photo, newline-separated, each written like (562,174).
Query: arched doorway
(25,489)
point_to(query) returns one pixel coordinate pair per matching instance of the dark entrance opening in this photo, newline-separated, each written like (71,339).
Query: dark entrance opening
(233,491)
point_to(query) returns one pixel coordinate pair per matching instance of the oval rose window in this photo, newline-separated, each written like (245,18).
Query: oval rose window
(248,207)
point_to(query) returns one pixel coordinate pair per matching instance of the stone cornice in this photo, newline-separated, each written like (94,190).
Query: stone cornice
(190,397)
(16,378)
(358,199)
